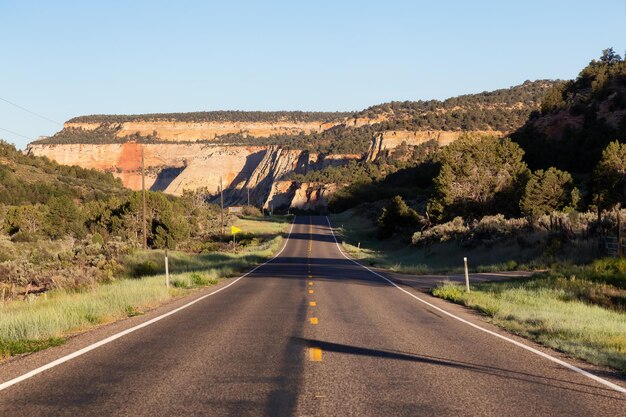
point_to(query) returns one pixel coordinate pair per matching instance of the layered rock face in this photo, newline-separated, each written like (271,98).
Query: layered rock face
(202,131)
(188,155)
(173,168)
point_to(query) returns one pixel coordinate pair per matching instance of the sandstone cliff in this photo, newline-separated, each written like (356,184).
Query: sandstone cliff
(198,131)
(260,171)
(173,168)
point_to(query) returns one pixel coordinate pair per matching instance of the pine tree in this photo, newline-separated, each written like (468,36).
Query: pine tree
(548,191)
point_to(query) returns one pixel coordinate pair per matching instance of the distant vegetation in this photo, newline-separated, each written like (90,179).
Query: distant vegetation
(217,116)
(501,110)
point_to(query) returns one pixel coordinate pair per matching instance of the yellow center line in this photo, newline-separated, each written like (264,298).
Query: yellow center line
(310,283)
(312,303)
(310,291)
(314,320)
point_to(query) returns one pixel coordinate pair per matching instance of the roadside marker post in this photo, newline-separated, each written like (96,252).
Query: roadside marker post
(167,270)
(467,288)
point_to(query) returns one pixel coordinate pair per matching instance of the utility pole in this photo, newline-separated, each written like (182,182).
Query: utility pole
(143,201)
(248,188)
(222,205)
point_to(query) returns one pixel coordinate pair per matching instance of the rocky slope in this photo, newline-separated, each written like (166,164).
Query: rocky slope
(256,151)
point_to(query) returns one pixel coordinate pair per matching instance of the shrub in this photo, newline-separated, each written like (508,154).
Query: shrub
(397,216)
(442,232)
(97,239)
(145,268)
(490,227)
(251,211)
(198,279)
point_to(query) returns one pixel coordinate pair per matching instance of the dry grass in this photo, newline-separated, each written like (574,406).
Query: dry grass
(573,314)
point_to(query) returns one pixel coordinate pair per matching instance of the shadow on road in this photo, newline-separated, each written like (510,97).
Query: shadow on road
(588,389)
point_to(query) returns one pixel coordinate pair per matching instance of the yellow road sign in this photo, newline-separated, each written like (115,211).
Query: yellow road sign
(234,230)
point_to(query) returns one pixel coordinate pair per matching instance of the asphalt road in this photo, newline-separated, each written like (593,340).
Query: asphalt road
(260,347)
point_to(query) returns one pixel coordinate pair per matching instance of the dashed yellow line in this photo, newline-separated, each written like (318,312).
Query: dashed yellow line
(315,354)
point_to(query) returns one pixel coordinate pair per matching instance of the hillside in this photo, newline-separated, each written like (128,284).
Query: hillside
(27,179)
(578,118)
(275,155)
(501,110)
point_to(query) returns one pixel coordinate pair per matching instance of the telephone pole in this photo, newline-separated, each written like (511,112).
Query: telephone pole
(143,202)
(222,205)
(247,188)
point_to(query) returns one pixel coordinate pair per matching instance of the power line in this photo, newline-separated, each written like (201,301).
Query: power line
(30,111)
(15,133)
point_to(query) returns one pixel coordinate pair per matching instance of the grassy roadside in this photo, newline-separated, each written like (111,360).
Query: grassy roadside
(577,310)
(44,321)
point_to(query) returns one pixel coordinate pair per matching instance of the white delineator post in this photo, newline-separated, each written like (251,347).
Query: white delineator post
(167,271)
(466,275)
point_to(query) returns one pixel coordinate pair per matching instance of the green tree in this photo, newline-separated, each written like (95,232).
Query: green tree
(609,57)
(610,176)
(553,101)
(27,220)
(547,191)
(478,176)
(63,218)
(397,216)
(167,221)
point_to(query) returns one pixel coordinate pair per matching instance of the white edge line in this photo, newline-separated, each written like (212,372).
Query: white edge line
(116,336)
(571,367)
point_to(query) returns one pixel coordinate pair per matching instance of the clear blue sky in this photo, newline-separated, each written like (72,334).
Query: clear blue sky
(68,58)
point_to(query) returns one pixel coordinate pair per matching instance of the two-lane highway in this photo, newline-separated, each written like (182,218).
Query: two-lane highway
(310,333)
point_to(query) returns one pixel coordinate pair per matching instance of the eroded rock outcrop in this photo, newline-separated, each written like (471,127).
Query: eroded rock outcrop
(391,139)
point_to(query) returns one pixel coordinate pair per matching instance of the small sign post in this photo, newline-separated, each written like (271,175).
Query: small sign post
(234,230)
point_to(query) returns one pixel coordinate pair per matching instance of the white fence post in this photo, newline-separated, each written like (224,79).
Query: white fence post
(167,270)
(466,275)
